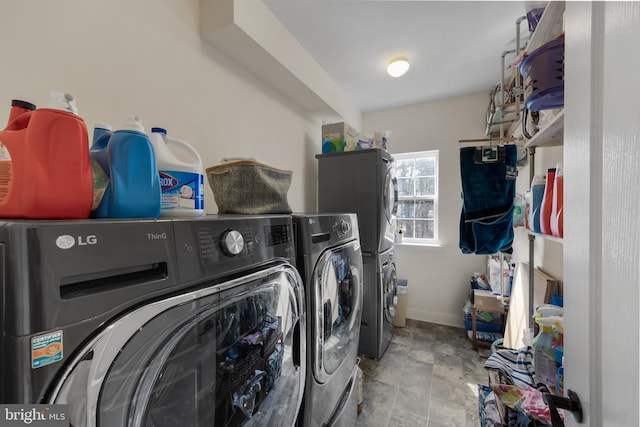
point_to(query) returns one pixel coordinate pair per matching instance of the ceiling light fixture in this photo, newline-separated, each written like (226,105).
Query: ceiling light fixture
(398,66)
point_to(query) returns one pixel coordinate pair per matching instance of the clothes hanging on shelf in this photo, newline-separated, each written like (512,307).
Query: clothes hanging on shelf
(515,365)
(488,189)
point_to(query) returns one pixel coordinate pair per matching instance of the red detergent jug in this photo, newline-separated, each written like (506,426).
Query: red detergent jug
(45,168)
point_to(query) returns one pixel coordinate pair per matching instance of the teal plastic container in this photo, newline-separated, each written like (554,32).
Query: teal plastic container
(128,159)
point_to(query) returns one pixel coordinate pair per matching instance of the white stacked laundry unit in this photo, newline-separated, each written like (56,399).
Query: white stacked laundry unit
(364,182)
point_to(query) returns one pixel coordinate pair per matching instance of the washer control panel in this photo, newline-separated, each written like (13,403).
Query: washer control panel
(216,245)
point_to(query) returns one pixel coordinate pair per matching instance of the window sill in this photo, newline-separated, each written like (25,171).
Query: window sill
(419,245)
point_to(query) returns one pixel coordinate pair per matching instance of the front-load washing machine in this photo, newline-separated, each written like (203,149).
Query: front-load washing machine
(330,261)
(380,295)
(194,322)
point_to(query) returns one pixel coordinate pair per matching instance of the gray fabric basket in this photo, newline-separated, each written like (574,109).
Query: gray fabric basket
(248,187)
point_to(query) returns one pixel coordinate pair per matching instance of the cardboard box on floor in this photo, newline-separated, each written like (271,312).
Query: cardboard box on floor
(486,301)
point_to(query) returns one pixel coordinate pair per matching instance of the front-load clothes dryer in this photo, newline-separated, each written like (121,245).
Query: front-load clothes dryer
(194,322)
(362,182)
(380,301)
(330,261)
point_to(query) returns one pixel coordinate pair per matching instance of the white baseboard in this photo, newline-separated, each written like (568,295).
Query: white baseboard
(447,319)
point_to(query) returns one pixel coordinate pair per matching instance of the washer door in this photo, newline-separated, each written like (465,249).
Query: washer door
(336,307)
(390,290)
(229,355)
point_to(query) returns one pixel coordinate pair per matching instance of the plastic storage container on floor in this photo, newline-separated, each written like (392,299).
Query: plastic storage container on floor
(182,182)
(45,170)
(401,307)
(128,159)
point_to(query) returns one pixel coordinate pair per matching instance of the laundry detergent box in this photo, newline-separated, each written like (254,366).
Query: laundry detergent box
(338,137)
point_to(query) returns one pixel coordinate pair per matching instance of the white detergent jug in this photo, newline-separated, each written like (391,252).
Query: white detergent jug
(182,182)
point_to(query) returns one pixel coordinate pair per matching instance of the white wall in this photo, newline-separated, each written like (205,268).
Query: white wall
(120,58)
(438,276)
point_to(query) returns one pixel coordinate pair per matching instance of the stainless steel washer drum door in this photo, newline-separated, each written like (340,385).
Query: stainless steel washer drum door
(337,284)
(390,289)
(228,355)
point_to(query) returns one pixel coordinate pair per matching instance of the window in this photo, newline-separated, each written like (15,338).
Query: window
(417,175)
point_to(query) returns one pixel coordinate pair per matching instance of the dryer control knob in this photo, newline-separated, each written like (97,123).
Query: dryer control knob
(232,242)
(345,227)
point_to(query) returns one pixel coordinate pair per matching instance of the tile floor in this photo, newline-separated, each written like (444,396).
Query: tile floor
(427,377)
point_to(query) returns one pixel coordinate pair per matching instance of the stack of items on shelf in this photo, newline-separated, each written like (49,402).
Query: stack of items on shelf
(339,137)
(542,72)
(544,203)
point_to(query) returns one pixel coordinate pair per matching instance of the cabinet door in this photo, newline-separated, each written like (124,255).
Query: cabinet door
(601,250)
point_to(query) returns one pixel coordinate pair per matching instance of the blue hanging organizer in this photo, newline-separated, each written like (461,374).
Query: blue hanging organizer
(488,189)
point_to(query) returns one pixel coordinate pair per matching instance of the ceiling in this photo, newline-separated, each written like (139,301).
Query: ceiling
(454,47)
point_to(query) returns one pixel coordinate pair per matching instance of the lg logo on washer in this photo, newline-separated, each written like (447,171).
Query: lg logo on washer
(66,241)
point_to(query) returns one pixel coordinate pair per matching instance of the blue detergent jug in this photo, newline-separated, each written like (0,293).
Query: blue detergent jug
(537,192)
(128,160)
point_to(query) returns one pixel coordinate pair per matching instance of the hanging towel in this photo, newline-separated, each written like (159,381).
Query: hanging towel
(488,189)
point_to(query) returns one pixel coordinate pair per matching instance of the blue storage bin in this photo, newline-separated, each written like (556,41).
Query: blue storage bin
(543,76)
(481,326)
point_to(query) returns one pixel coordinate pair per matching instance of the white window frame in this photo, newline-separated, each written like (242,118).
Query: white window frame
(435,154)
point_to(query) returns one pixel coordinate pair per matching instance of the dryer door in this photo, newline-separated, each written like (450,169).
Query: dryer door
(390,197)
(226,355)
(336,308)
